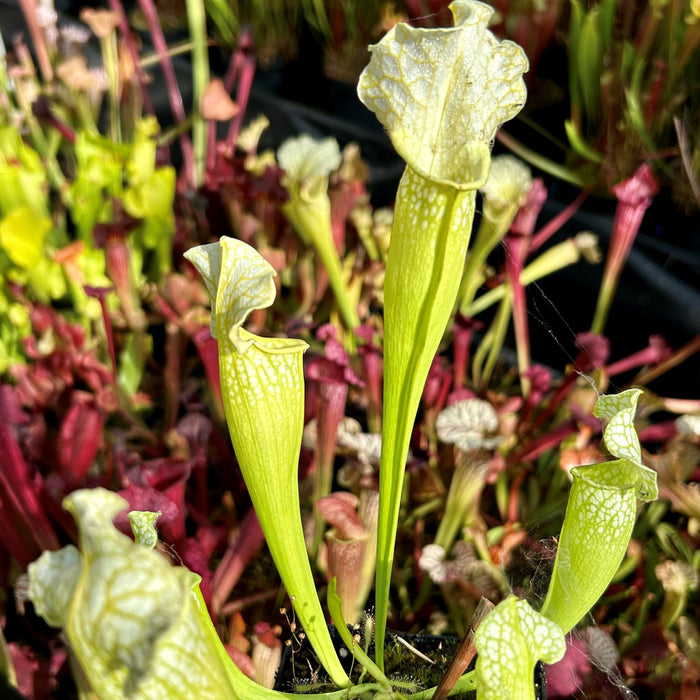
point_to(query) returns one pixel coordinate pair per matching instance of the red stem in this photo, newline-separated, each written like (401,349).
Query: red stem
(657,86)
(172,374)
(125,31)
(245,75)
(544,443)
(174,94)
(513,495)
(100,293)
(238,554)
(516,249)
(30,12)
(207,349)
(553,225)
(19,493)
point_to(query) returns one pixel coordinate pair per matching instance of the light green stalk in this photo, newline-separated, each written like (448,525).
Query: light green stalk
(262,381)
(104,25)
(197,22)
(462,501)
(368,511)
(472,426)
(489,349)
(553,259)
(109,48)
(307,164)
(7,667)
(503,194)
(442,94)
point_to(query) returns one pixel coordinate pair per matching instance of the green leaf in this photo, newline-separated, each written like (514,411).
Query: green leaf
(307,164)
(141,162)
(152,196)
(132,362)
(510,641)
(53,578)
(245,284)
(634,111)
(619,436)
(138,627)
(606,21)
(578,143)
(23,179)
(423,276)
(600,515)
(589,64)
(22,235)
(100,167)
(46,279)
(304,158)
(575,25)
(335,607)
(224,20)
(100,161)
(152,201)
(14,327)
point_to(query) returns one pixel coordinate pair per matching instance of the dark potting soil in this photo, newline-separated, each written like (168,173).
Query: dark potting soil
(301,672)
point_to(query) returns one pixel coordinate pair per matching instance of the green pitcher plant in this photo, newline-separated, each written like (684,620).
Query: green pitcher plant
(510,641)
(441,94)
(135,625)
(605,494)
(262,381)
(307,164)
(600,514)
